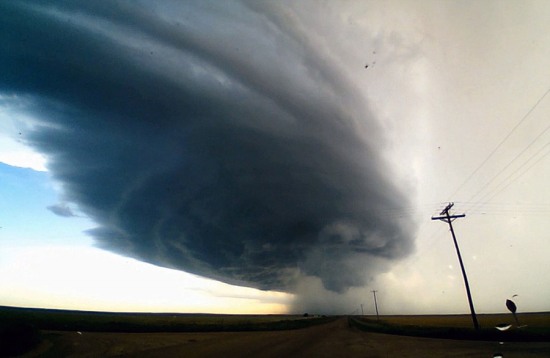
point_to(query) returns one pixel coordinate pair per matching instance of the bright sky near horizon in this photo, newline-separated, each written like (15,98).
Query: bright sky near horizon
(452,96)
(48,261)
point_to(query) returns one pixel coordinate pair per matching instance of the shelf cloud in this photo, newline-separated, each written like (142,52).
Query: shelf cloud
(212,137)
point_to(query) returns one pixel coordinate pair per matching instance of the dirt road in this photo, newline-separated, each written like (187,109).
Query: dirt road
(334,339)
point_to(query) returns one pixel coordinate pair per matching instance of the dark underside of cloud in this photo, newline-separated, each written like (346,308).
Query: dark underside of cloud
(210,137)
(61,210)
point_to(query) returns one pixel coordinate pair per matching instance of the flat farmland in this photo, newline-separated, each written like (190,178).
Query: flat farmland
(333,339)
(46,319)
(540,320)
(533,326)
(192,335)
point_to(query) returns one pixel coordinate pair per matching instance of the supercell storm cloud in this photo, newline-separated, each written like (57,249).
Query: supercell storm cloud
(213,137)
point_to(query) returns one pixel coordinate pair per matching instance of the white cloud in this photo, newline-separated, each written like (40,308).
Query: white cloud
(17,155)
(13,151)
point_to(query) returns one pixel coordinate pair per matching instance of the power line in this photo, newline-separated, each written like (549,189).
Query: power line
(519,176)
(500,188)
(501,143)
(514,159)
(508,204)
(505,206)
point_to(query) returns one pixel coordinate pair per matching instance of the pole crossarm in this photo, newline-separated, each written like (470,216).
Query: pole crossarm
(445,218)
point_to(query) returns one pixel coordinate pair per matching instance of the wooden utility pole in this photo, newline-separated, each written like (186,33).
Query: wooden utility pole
(376,305)
(446,217)
(362,313)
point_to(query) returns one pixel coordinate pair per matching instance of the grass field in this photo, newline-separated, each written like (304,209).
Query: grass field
(20,328)
(46,319)
(23,330)
(536,326)
(541,319)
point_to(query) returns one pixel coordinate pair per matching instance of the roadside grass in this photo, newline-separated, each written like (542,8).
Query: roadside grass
(460,326)
(62,320)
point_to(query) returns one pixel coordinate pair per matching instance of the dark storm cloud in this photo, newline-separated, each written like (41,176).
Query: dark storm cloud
(211,136)
(61,210)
